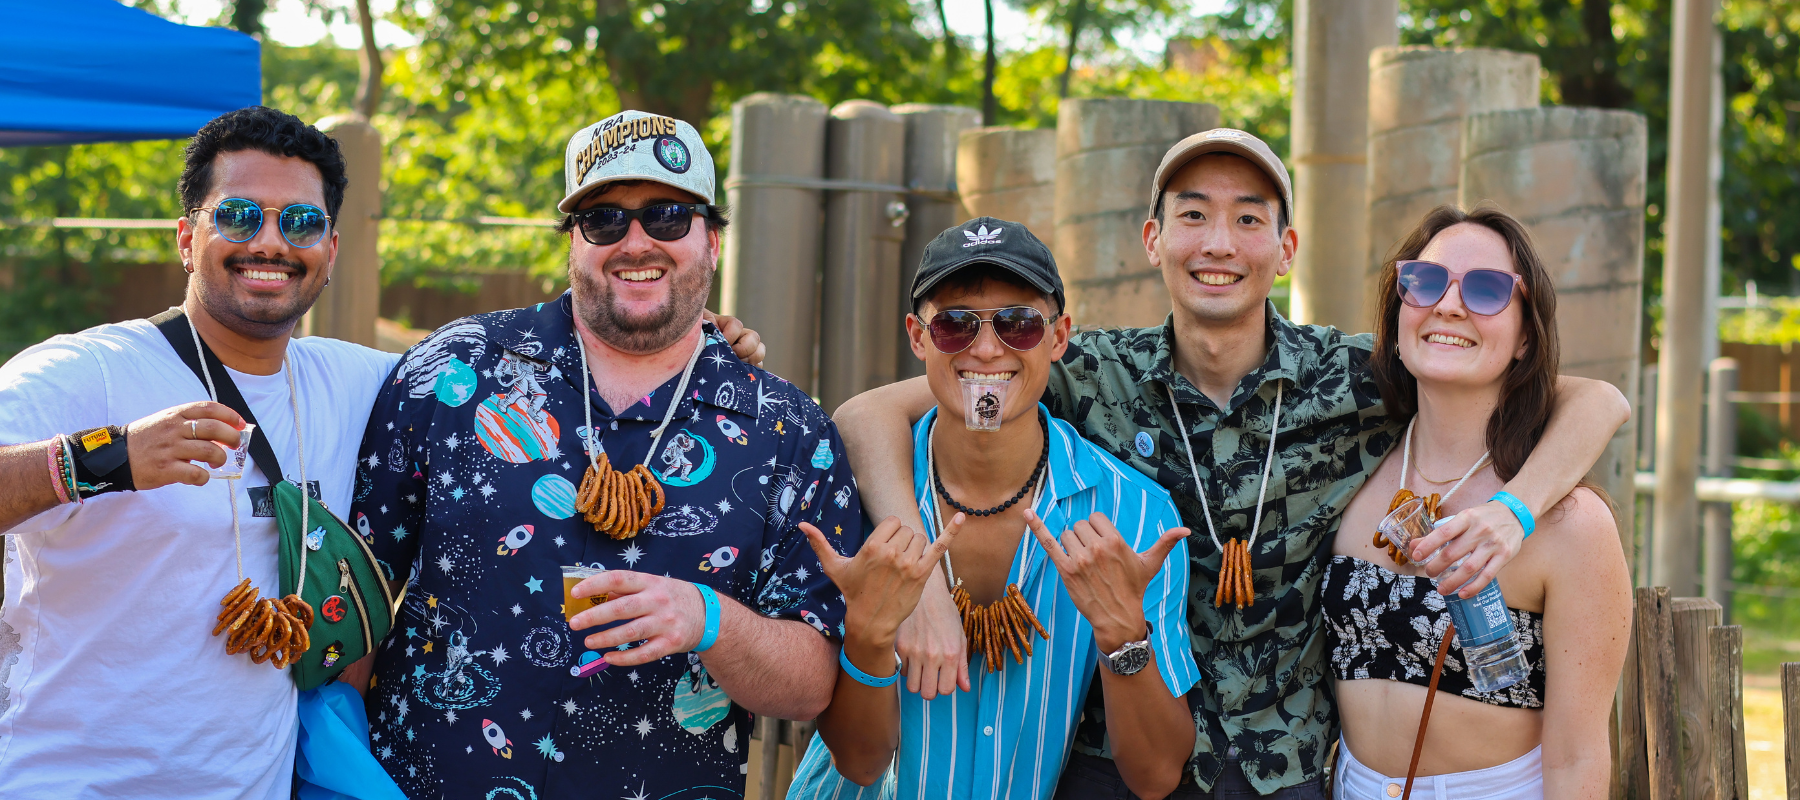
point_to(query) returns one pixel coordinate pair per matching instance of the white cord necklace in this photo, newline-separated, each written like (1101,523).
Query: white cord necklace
(587,405)
(1406,464)
(937,513)
(1263,491)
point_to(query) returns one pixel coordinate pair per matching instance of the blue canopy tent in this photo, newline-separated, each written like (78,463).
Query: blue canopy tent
(99,71)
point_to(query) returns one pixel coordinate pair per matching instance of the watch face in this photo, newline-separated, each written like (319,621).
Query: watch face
(1131,659)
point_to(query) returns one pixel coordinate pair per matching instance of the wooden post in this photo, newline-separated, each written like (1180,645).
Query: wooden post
(1730,775)
(1790,715)
(1692,618)
(348,307)
(1721,450)
(1630,763)
(770,728)
(1656,687)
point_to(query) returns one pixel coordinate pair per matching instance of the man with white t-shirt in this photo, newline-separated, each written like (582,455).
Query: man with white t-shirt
(111,682)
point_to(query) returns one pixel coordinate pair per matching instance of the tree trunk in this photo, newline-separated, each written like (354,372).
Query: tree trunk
(368,85)
(1075,19)
(950,49)
(990,106)
(688,98)
(246,16)
(1590,76)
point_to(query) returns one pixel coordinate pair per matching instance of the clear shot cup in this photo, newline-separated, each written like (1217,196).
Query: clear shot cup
(236,458)
(983,401)
(573,605)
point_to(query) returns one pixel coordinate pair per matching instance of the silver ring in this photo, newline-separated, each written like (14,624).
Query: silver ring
(193,429)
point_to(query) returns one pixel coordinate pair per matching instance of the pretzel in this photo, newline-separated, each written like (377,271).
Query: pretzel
(609,506)
(297,605)
(1012,639)
(1025,609)
(655,485)
(231,596)
(1246,583)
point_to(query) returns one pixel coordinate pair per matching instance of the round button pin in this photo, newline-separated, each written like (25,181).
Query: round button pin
(1145,444)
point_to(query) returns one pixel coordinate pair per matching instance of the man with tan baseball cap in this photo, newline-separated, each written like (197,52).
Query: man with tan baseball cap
(1262,430)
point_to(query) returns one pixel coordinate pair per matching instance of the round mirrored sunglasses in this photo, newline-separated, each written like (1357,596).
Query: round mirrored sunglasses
(238,220)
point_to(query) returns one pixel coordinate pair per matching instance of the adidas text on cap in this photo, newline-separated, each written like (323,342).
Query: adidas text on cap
(985,240)
(633,145)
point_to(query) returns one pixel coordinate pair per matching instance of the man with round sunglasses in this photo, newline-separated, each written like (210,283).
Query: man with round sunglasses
(118,546)
(611,442)
(1000,480)
(1261,430)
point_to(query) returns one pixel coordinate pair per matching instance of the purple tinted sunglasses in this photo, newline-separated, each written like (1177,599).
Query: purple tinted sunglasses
(1422,284)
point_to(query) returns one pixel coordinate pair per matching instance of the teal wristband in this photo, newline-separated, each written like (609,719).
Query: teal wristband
(1519,510)
(712,618)
(865,678)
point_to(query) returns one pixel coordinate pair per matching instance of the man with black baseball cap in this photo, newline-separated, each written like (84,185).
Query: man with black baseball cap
(1262,430)
(988,324)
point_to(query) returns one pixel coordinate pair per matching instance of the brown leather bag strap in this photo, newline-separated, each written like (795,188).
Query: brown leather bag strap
(1437,671)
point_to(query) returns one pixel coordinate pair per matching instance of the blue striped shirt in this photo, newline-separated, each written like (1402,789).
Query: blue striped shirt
(1009,736)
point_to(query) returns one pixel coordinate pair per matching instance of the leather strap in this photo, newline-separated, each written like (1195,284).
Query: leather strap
(174,326)
(1437,671)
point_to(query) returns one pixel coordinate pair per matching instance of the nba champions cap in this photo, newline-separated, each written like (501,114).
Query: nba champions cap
(633,145)
(1223,140)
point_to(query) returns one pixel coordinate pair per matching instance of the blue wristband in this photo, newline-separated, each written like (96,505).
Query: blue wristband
(712,618)
(865,678)
(1519,510)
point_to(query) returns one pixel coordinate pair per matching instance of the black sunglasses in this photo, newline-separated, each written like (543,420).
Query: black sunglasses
(664,222)
(1018,327)
(238,220)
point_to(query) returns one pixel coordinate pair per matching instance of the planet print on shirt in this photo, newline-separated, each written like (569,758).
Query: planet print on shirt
(555,496)
(456,383)
(699,703)
(512,434)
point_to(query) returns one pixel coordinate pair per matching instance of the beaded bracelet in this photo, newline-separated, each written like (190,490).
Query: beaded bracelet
(53,458)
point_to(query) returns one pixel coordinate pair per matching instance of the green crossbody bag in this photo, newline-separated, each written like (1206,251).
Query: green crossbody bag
(333,570)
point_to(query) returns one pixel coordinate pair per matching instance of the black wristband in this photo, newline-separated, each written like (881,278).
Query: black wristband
(102,462)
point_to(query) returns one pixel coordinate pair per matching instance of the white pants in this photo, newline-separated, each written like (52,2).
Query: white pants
(1519,779)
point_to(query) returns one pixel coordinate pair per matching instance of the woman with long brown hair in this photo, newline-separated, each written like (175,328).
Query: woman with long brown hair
(1466,345)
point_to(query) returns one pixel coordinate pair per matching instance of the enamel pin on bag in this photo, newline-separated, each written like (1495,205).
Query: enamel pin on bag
(328,567)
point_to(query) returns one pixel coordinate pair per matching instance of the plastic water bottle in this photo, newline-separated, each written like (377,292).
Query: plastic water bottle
(1492,654)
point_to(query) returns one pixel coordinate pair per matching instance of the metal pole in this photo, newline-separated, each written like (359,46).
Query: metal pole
(1721,449)
(348,307)
(1106,156)
(1645,418)
(1332,41)
(1684,297)
(770,274)
(1418,97)
(859,323)
(931,138)
(1575,177)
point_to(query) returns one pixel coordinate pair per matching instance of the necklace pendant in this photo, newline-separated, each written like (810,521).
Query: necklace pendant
(1237,586)
(619,504)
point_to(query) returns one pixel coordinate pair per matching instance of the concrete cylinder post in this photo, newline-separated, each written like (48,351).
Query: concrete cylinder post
(771,266)
(859,301)
(1418,97)
(1010,174)
(1107,151)
(1575,177)
(1329,158)
(348,307)
(1721,453)
(1691,134)
(932,133)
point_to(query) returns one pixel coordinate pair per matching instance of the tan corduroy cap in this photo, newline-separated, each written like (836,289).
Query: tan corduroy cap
(1223,140)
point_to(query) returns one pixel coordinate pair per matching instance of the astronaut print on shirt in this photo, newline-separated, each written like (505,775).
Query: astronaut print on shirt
(467,483)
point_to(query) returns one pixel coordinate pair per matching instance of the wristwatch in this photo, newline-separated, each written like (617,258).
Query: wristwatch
(1131,658)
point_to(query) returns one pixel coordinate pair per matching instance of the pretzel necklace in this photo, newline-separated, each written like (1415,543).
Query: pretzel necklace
(620,504)
(1432,501)
(1237,586)
(267,629)
(1005,625)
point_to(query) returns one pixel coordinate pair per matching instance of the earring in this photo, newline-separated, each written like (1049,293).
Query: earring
(327,280)
(188,267)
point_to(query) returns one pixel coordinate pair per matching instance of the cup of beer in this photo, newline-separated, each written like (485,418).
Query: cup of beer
(573,605)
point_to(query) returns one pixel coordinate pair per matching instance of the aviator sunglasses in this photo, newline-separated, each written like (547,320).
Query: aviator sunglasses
(1422,284)
(664,222)
(1018,327)
(238,221)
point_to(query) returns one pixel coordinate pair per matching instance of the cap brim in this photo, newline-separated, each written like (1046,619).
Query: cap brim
(1179,160)
(568,204)
(1004,262)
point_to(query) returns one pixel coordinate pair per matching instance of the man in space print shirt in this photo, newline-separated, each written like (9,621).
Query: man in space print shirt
(468,479)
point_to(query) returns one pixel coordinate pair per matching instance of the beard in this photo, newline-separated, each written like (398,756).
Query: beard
(255,317)
(655,330)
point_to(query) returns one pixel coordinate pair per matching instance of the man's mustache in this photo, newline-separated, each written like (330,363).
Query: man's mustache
(654,258)
(248,261)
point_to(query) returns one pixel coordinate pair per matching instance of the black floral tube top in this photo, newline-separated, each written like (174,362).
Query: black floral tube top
(1384,625)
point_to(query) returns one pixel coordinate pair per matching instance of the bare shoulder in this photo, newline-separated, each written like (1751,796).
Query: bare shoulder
(1581,524)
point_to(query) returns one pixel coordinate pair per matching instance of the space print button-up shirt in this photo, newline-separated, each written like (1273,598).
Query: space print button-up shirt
(468,475)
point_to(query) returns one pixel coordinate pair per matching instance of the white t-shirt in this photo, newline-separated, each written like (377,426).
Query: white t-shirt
(111,683)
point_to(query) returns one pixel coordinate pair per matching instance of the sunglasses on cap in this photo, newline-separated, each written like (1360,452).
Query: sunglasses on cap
(1018,327)
(1422,284)
(664,222)
(238,220)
